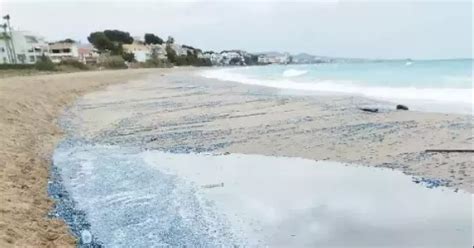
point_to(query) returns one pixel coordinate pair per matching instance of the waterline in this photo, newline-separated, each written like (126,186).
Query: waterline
(255,201)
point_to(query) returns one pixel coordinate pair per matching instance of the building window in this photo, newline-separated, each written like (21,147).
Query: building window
(56,51)
(66,50)
(2,49)
(32,59)
(21,58)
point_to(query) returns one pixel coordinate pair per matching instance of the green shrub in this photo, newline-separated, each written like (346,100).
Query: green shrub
(75,64)
(157,63)
(129,57)
(112,62)
(192,59)
(45,64)
(17,66)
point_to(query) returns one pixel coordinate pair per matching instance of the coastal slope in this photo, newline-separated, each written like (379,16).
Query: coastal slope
(29,107)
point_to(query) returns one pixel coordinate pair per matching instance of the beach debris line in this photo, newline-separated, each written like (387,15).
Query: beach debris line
(371,110)
(65,208)
(449,150)
(210,186)
(431,183)
(402,107)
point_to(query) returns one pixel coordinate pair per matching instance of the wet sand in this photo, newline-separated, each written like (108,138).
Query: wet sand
(29,107)
(182,112)
(236,200)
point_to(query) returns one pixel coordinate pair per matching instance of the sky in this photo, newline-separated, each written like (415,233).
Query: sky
(383,29)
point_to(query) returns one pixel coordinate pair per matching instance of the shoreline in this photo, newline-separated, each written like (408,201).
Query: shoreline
(29,106)
(195,114)
(183,113)
(378,93)
(187,113)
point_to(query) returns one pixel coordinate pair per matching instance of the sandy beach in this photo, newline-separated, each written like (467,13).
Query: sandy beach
(29,107)
(133,149)
(179,111)
(184,112)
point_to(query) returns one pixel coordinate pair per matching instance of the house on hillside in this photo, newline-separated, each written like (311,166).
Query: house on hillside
(212,56)
(59,51)
(88,54)
(274,58)
(23,47)
(140,50)
(232,57)
(181,50)
(158,50)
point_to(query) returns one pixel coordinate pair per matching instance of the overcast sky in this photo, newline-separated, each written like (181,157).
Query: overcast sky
(401,29)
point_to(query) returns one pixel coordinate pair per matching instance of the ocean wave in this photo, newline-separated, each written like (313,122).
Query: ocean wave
(294,73)
(460,98)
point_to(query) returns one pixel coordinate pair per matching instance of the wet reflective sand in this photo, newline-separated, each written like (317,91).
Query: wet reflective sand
(116,182)
(253,200)
(290,202)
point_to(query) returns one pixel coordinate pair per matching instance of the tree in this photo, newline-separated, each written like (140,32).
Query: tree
(45,64)
(100,41)
(118,49)
(235,61)
(170,53)
(251,59)
(153,39)
(118,36)
(129,57)
(68,40)
(170,40)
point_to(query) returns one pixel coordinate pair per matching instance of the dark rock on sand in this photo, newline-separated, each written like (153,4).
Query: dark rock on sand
(402,107)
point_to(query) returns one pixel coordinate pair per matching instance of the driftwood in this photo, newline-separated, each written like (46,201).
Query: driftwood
(372,110)
(449,150)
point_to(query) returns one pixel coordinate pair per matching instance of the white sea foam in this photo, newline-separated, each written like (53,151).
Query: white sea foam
(294,73)
(453,100)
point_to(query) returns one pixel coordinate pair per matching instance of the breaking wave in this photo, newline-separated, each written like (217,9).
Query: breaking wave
(453,100)
(294,73)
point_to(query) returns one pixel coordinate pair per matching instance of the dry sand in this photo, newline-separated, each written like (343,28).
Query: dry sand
(28,110)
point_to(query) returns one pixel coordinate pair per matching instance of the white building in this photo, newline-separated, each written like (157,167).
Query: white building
(159,51)
(140,51)
(26,47)
(143,52)
(59,51)
(212,56)
(231,58)
(88,54)
(274,58)
(180,51)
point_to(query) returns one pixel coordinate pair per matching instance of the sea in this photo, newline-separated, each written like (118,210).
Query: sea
(444,86)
